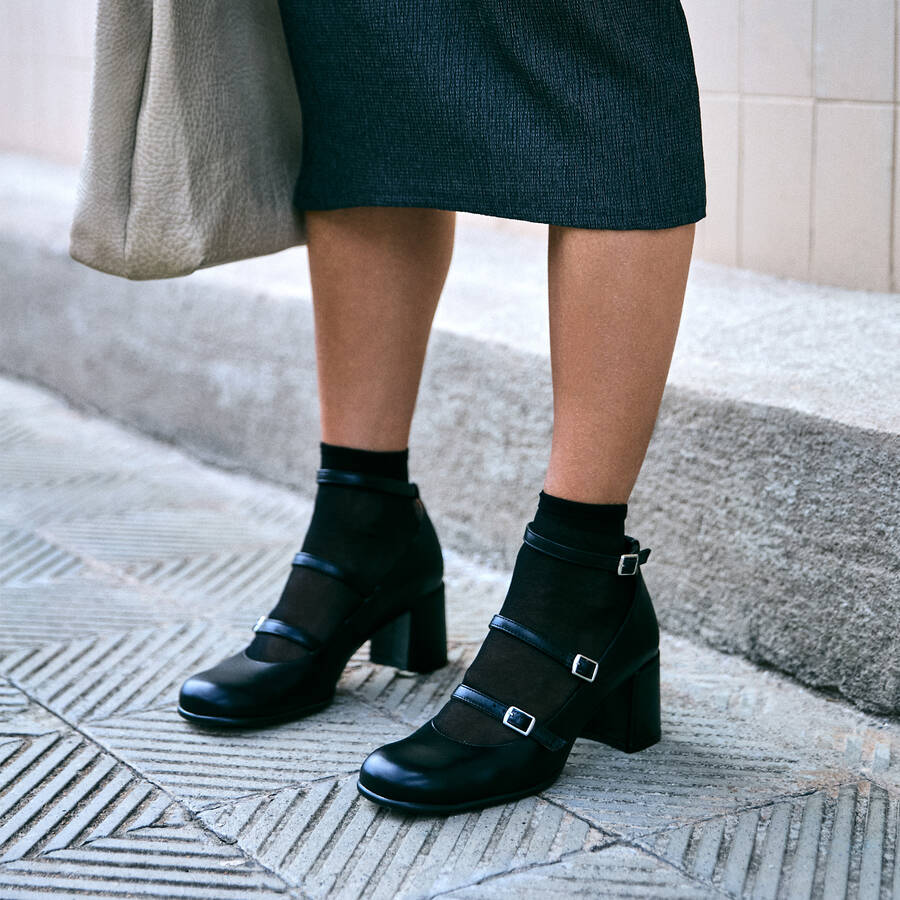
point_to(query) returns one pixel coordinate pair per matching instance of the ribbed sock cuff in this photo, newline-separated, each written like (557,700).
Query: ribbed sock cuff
(588,526)
(388,463)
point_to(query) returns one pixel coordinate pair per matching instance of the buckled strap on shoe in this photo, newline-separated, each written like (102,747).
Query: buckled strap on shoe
(511,716)
(329,568)
(373,482)
(623,564)
(265,625)
(577,663)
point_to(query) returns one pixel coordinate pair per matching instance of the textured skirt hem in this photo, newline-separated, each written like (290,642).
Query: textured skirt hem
(669,218)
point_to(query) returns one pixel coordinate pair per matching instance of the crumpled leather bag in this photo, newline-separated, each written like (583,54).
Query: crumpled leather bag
(194,138)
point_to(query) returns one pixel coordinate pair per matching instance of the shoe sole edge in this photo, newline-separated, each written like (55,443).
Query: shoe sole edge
(251,721)
(441,809)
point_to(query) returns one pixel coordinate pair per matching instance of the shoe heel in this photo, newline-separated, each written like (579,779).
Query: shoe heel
(415,641)
(629,717)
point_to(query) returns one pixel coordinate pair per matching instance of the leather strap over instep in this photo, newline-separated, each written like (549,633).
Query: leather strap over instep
(623,564)
(512,717)
(365,480)
(327,567)
(578,664)
(300,636)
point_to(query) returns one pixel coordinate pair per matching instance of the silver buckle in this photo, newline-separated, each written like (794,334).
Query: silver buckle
(511,711)
(633,556)
(259,622)
(580,657)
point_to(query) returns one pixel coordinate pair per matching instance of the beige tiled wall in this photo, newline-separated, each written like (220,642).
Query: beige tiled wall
(800,130)
(45,74)
(798,103)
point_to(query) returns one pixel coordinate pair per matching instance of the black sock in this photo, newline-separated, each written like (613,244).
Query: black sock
(389,463)
(571,605)
(589,526)
(361,530)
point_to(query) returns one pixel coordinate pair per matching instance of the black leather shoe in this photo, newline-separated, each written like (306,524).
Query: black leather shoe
(614,699)
(403,615)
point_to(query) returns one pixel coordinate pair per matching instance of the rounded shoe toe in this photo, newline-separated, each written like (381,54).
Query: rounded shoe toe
(202,695)
(236,691)
(431,772)
(405,772)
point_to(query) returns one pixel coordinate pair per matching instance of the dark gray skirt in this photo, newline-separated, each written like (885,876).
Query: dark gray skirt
(572,112)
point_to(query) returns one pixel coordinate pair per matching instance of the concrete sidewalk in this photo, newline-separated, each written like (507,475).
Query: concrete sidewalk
(125,565)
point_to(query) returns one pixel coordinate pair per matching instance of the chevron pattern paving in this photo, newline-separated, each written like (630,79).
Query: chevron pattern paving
(84,605)
(106,494)
(127,841)
(137,866)
(695,772)
(166,749)
(126,566)
(12,701)
(327,838)
(56,787)
(233,586)
(412,700)
(25,465)
(27,557)
(836,843)
(616,871)
(158,534)
(116,672)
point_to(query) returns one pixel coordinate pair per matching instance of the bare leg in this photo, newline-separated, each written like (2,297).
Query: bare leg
(615,300)
(377,275)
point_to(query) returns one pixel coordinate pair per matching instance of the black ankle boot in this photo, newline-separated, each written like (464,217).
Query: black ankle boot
(402,613)
(600,687)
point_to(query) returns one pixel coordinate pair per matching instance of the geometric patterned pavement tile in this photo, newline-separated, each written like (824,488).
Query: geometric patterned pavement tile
(63,439)
(241,583)
(412,700)
(73,467)
(45,464)
(12,701)
(153,852)
(204,767)
(72,607)
(75,821)
(615,871)
(57,788)
(26,558)
(155,534)
(705,764)
(117,672)
(331,842)
(736,690)
(106,493)
(151,864)
(830,843)
(125,566)
(235,586)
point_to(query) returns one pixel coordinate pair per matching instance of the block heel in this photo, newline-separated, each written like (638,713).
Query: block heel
(415,641)
(628,718)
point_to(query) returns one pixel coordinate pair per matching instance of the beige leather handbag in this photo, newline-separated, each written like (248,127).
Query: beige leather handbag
(194,140)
